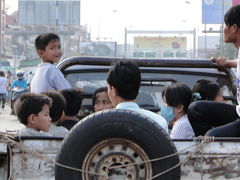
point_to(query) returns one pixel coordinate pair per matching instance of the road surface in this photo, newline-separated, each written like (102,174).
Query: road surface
(7,121)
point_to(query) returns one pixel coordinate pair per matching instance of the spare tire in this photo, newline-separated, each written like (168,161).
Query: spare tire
(116,137)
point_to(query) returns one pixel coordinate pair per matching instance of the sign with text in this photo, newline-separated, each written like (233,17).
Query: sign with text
(159,43)
(213,10)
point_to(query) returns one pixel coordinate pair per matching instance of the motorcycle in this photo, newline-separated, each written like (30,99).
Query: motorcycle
(15,93)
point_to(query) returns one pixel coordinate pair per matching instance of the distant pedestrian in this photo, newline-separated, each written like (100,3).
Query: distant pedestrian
(47,76)
(29,78)
(3,89)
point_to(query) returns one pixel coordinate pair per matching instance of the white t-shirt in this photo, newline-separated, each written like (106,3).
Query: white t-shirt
(58,131)
(3,85)
(31,132)
(154,116)
(182,129)
(48,77)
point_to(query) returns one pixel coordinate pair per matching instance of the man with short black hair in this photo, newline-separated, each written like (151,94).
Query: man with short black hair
(124,79)
(204,115)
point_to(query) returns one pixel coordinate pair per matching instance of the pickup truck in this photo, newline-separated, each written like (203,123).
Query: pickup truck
(120,144)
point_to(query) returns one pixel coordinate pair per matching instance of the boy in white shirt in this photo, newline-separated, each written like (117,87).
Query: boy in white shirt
(47,76)
(32,110)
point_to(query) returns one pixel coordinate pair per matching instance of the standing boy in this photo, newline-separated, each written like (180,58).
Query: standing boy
(47,76)
(33,111)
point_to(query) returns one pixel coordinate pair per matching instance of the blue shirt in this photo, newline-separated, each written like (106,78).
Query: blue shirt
(134,107)
(20,84)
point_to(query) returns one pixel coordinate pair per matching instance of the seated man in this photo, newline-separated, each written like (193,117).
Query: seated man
(124,80)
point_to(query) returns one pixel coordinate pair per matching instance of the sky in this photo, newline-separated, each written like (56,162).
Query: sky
(109,18)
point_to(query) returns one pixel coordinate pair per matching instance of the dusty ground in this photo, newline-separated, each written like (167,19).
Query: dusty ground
(7,121)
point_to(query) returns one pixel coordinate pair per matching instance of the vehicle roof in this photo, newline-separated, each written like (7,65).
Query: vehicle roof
(103,63)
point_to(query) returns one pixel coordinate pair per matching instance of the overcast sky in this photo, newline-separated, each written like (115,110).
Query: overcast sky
(108,18)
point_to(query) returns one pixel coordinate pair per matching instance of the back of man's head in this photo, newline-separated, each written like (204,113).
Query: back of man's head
(232,16)
(73,101)
(43,39)
(125,76)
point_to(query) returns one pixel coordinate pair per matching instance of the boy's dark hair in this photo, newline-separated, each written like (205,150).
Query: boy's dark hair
(232,16)
(58,104)
(208,90)
(98,90)
(177,94)
(43,39)
(30,103)
(125,76)
(73,101)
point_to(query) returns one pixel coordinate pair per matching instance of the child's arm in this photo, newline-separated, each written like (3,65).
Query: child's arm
(59,81)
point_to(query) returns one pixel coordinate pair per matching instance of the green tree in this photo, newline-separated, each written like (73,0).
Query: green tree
(229,51)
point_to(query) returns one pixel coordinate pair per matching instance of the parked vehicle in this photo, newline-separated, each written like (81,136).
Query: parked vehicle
(120,144)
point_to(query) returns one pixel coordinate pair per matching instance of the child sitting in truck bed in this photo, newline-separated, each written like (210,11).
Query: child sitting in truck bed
(56,113)
(32,110)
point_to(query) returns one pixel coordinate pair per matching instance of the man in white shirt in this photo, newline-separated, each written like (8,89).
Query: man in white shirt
(3,88)
(124,80)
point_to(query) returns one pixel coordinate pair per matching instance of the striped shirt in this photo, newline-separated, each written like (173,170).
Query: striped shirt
(182,129)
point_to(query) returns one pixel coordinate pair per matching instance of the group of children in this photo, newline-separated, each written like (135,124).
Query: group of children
(51,106)
(51,113)
(44,112)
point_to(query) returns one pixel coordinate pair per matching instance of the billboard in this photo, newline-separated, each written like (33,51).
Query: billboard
(153,47)
(49,12)
(160,43)
(213,10)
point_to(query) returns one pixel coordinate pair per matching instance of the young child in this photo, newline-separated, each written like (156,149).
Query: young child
(56,113)
(73,104)
(47,76)
(100,100)
(207,90)
(177,98)
(33,111)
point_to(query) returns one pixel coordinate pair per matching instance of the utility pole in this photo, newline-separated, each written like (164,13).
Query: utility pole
(1,25)
(221,30)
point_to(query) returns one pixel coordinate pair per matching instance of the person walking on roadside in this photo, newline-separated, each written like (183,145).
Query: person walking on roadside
(3,89)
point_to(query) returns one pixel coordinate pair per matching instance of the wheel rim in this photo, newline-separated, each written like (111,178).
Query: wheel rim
(113,152)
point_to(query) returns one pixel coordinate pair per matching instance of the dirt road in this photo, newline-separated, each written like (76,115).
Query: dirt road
(7,121)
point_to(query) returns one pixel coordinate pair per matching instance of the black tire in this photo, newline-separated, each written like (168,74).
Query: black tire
(116,125)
